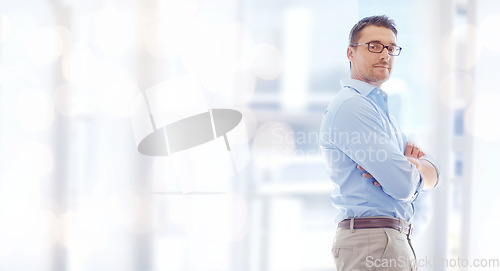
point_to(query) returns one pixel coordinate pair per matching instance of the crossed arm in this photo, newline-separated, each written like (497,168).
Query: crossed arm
(413,153)
(358,131)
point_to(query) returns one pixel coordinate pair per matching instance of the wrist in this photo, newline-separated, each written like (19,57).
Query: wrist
(414,161)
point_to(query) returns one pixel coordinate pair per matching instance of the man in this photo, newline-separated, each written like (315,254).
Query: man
(377,173)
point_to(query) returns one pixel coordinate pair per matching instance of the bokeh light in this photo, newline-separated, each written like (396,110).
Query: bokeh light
(78,65)
(223,62)
(35,111)
(114,30)
(456,89)
(273,144)
(267,62)
(228,88)
(5,27)
(163,39)
(166,35)
(46,44)
(480,115)
(488,29)
(469,52)
(71,100)
(113,89)
(178,95)
(232,46)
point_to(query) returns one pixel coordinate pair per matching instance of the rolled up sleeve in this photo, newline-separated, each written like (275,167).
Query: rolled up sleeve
(361,135)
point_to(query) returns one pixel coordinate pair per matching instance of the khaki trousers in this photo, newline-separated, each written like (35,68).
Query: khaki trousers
(373,249)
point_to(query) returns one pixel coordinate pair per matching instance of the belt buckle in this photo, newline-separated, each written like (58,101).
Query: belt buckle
(401,226)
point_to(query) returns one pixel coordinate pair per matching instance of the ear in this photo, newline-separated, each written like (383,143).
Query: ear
(350,53)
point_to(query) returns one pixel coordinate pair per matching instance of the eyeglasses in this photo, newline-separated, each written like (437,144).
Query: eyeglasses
(377,47)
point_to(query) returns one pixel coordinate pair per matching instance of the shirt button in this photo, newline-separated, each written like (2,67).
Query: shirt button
(378,92)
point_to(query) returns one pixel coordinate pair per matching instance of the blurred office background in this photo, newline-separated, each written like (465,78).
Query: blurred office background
(75,194)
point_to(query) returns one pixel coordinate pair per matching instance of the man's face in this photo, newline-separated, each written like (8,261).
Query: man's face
(373,68)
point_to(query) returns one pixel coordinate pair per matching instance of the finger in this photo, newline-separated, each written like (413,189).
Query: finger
(422,153)
(409,148)
(376,183)
(367,175)
(360,168)
(414,149)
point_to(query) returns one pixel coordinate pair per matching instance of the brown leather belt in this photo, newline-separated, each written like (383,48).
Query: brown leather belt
(383,222)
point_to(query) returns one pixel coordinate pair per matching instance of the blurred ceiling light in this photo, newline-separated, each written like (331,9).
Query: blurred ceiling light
(114,30)
(35,111)
(456,89)
(79,64)
(46,44)
(273,144)
(479,115)
(4,27)
(267,61)
(488,29)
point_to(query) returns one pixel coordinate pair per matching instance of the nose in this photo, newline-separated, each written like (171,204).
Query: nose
(385,53)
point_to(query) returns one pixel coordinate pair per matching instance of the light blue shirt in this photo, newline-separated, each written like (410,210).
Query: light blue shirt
(358,129)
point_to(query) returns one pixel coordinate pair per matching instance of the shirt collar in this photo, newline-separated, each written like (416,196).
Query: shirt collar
(362,87)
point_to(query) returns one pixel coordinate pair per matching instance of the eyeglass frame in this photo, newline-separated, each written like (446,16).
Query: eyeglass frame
(383,47)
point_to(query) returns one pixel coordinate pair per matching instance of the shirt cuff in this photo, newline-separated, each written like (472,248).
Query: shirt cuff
(431,160)
(420,188)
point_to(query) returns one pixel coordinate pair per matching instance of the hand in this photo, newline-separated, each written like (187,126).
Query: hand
(414,161)
(412,150)
(368,175)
